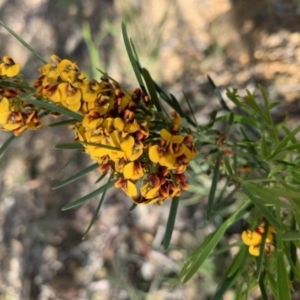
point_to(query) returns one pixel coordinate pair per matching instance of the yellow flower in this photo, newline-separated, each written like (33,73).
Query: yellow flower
(132,149)
(135,152)
(52,93)
(89,90)
(119,124)
(131,124)
(4,110)
(70,96)
(105,167)
(156,152)
(181,164)
(150,189)
(92,120)
(50,71)
(128,187)
(122,100)
(108,125)
(65,67)
(120,164)
(14,121)
(8,67)
(168,136)
(251,238)
(254,250)
(32,121)
(188,147)
(133,171)
(143,132)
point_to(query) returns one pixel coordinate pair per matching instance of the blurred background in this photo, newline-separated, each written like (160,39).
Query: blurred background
(238,43)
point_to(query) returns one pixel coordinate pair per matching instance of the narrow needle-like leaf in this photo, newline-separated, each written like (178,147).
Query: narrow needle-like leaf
(67,163)
(69,146)
(77,176)
(213,187)
(87,198)
(171,222)
(95,216)
(23,42)
(6,144)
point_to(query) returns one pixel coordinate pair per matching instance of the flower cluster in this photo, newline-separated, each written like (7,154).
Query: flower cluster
(146,153)
(254,238)
(15,114)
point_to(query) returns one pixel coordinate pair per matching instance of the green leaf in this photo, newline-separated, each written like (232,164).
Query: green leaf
(69,146)
(130,54)
(233,96)
(7,143)
(291,236)
(264,149)
(266,103)
(151,89)
(62,123)
(238,119)
(132,207)
(95,216)
(87,198)
(238,262)
(178,108)
(275,170)
(274,104)
(100,178)
(296,176)
(260,258)
(218,94)
(190,107)
(16,85)
(259,180)
(23,42)
(196,259)
(284,142)
(91,46)
(270,196)
(251,102)
(212,119)
(77,176)
(226,248)
(171,222)
(213,187)
(283,286)
(262,208)
(262,287)
(228,166)
(287,132)
(102,146)
(174,104)
(67,163)
(229,123)
(283,152)
(296,214)
(54,108)
(192,257)
(224,286)
(273,284)
(240,293)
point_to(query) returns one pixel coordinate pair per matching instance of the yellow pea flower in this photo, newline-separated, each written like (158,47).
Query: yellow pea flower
(4,110)
(70,96)
(8,67)
(128,187)
(133,171)
(251,238)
